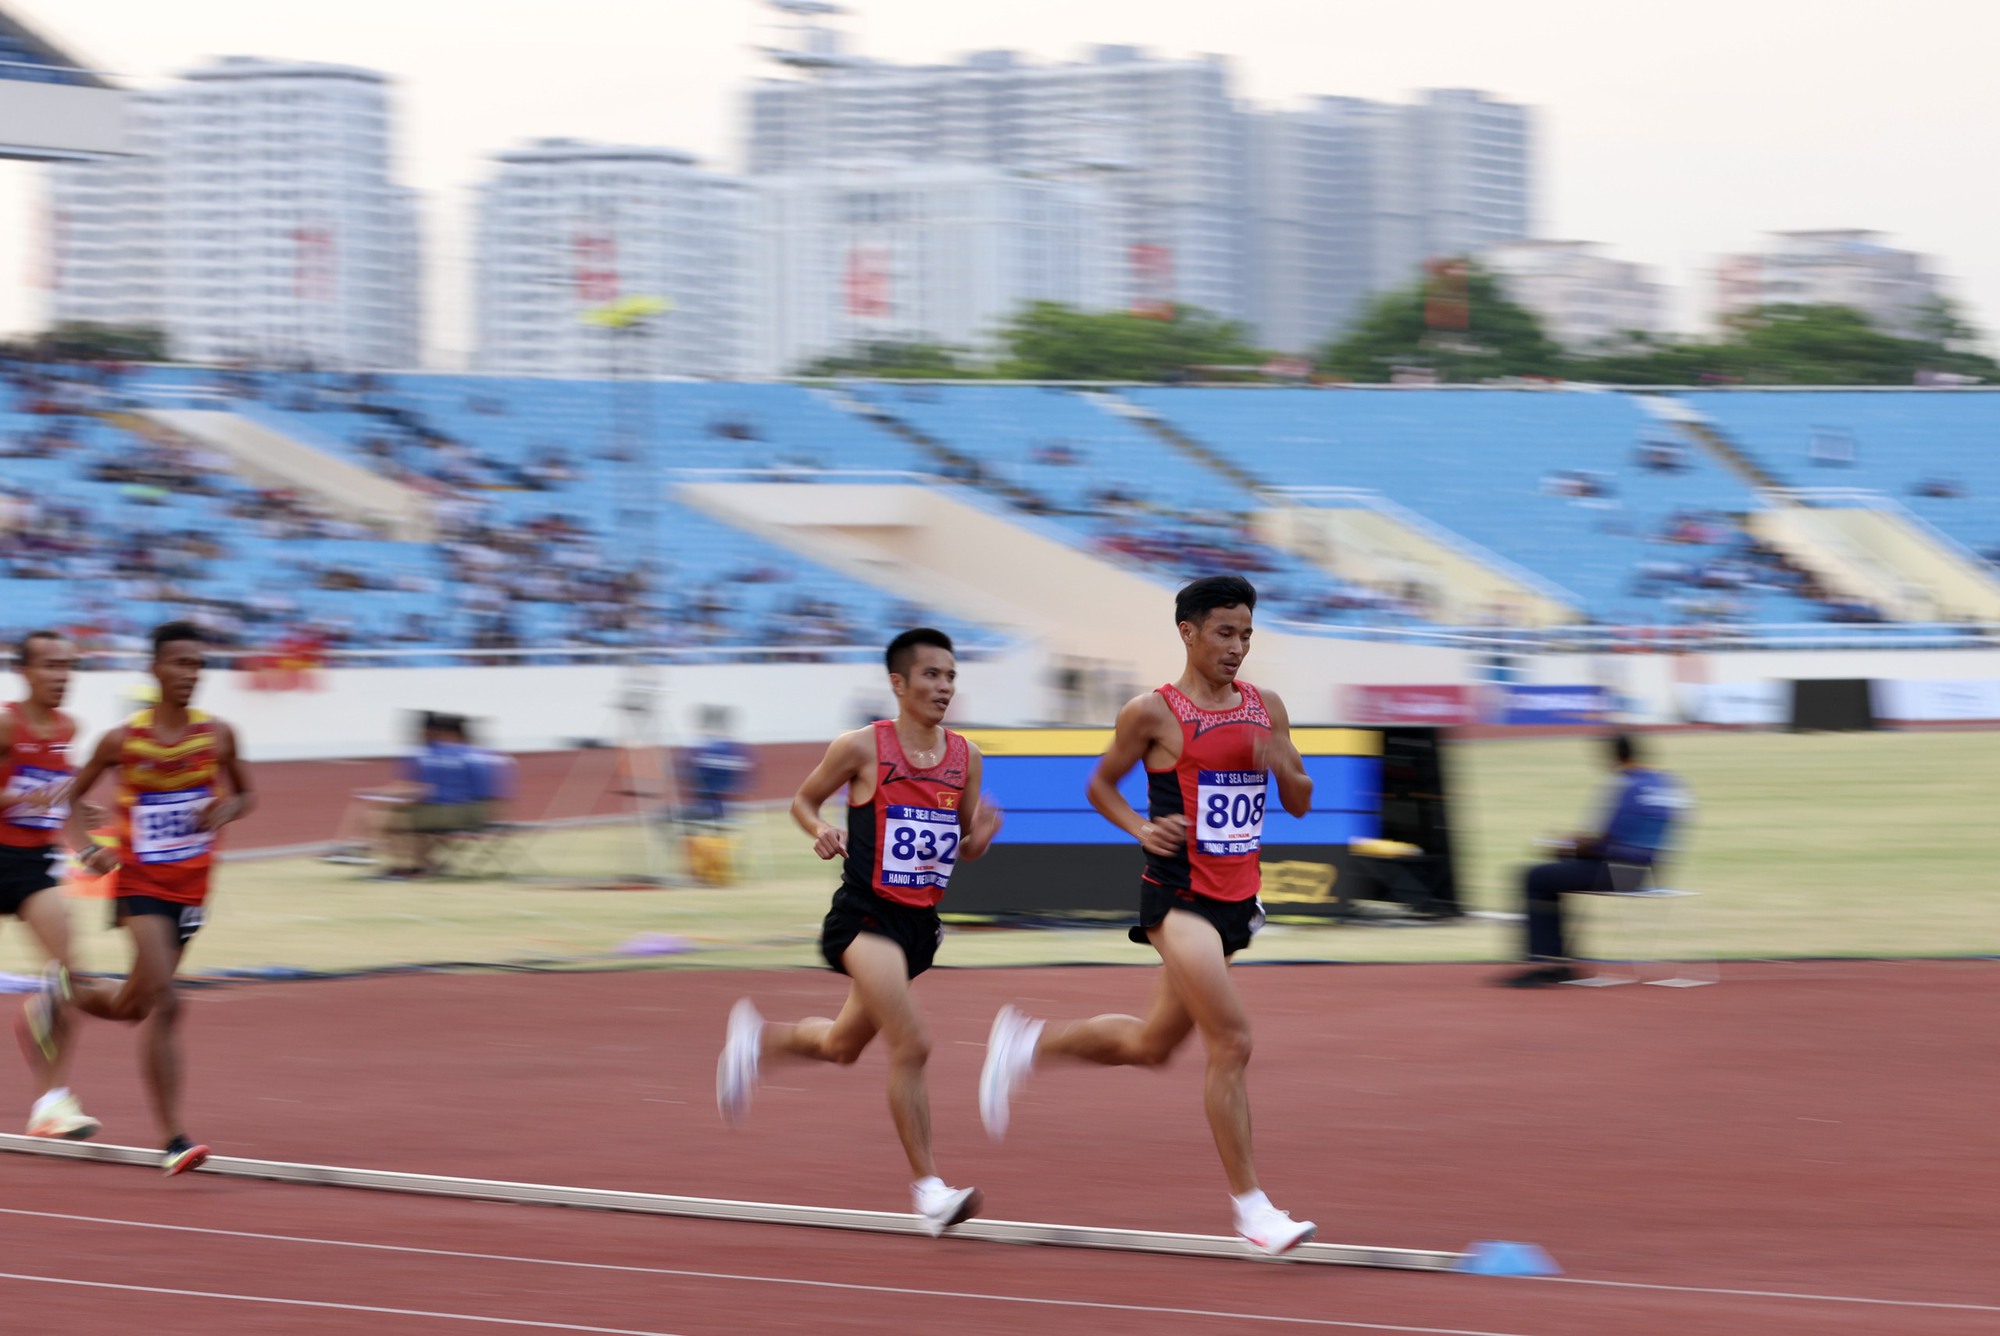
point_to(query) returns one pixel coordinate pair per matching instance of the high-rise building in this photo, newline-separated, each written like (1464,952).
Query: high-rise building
(1164,138)
(566,227)
(900,253)
(1840,267)
(258,219)
(1349,197)
(1584,299)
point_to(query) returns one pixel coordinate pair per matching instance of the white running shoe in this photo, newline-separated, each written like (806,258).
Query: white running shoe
(939,1207)
(1271,1231)
(1010,1056)
(63,1120)
(736,1070)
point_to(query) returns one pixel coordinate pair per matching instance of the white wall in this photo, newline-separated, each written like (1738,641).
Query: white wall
(365,712)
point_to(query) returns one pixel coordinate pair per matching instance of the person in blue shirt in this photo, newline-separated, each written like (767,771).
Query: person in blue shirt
(1638,828)
(441,784)
(491,775)
(718,770)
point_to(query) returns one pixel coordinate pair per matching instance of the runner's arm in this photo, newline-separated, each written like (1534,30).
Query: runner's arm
(1282,759)
(841,765)
(1137,730)
(978,816)
(242,798)
(77,829)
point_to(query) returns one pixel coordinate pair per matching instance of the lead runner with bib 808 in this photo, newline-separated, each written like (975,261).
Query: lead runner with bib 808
(914,811)
(1213,746)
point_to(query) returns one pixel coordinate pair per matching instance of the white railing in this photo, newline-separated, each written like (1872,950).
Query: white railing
(460,656)
(1668,639)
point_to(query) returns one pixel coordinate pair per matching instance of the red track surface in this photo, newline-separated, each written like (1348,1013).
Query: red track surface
(300,802)
(1825,1137)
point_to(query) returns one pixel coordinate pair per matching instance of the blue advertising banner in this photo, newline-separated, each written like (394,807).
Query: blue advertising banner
(1556,705)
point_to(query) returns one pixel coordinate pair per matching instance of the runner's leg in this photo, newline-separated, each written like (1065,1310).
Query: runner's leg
(1123,1041)
(1191,957)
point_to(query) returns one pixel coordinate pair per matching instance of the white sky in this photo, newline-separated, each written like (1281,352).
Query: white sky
(1671,132)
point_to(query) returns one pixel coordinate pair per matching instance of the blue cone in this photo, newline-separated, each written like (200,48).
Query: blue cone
(1497,1257)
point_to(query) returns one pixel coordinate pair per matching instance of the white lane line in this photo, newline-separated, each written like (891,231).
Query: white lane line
(1154,1310)
(315,1303)
(940,1294)
(1772,1294)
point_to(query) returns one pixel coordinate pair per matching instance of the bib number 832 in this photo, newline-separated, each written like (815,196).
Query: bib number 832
(907,844)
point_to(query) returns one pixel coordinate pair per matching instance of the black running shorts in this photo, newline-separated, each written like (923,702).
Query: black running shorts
(856,911)
(1236,921)
(188,918)
(24,872)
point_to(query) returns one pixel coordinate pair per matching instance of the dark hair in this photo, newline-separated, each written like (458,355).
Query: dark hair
(1196,601)
(1624,749)
(902,651)
(169,632)
(24,653)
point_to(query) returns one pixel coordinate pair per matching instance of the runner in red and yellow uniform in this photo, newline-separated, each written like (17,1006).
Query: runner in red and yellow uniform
(914,811)
(1214,748)
(180,780)
(35,774)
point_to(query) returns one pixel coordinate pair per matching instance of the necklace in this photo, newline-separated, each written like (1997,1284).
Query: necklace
(923,758)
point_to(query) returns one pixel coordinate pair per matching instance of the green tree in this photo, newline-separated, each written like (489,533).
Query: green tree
(1051,341)
(1798,345)
(126,343)
(893,360)
(1500,337)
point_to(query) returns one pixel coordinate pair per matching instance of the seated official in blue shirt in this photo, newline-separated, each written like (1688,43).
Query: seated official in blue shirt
(443,785)
(1645,804)
(491,776)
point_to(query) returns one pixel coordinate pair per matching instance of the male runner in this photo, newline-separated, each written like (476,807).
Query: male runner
(1211,744)
(35,770)
(168,760)
(913,811)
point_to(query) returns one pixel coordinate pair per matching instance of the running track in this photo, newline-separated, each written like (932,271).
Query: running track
(1823,1140)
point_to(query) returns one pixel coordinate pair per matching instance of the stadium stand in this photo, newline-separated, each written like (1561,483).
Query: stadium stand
(1059,453)
(27,58)
(1934,451)
(1593,493)
(1587,490)
(101,527)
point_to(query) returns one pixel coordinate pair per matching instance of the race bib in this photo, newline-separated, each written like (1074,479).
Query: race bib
(24,781)
(920,846)
(1231,807)
(166,826)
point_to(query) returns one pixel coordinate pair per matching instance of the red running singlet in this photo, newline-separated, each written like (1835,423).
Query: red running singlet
(35,761)
(903,843)
(1216,787)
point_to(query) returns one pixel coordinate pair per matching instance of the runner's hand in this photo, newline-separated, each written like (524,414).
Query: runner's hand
(830,843)
(100,859)
(1166,837)
(219,812)
(986,823)
(93,815)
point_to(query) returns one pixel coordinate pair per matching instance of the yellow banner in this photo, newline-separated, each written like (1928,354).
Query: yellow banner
(1093,741)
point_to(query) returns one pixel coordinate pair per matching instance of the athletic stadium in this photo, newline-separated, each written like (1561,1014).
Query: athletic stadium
(1789,598)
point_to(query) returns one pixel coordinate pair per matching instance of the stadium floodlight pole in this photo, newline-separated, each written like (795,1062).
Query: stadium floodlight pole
(628,322)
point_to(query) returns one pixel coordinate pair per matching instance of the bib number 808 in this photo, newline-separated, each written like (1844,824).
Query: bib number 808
(1239,811)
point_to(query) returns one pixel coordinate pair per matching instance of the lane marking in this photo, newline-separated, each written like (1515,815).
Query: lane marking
(894,1289)
(317,1303)
(628,1331)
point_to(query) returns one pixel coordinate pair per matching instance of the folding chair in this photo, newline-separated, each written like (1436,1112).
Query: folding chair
(496,849)
(1670,919)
